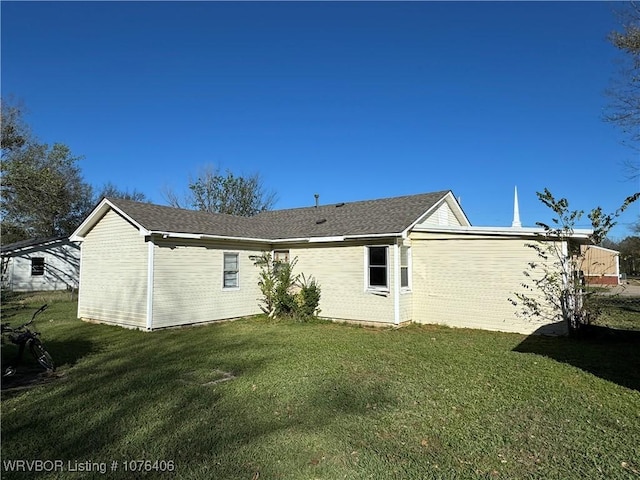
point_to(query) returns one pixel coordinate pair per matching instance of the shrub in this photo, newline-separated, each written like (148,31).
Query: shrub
(308,298)
(285,294)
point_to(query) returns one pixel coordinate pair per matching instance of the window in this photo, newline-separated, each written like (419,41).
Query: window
(377,266)
(230,274)
(405,254)
(37,266)
(281,256)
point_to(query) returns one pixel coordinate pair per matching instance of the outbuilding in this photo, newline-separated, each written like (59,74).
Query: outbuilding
(41,264)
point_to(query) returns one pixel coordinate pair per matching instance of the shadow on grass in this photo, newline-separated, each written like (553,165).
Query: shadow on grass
(608,353)
(131,400)
(29,373)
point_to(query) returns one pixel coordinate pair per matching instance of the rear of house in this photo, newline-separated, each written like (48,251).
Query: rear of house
(379,262)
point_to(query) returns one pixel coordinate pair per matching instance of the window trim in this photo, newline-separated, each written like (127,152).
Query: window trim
(43,266)
(367,270)
(408,287)
(224,271)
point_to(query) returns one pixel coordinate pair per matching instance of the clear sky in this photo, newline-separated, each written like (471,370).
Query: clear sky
(350,100)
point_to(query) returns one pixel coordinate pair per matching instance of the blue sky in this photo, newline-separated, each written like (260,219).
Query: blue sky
(351,100)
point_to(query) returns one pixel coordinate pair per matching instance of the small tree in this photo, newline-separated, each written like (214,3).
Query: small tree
(285,294)
(556,278)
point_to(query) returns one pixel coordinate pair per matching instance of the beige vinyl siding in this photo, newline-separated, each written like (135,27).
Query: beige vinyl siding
(340,269)
(442,216)
(113,273)
(467,281)
(188,283)
(406,307)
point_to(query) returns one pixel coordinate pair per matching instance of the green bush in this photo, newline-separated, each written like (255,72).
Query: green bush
(285,294)
(308,298)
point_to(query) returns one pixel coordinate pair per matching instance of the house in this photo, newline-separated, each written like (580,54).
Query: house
(599,265)
(41,264)
(390,261)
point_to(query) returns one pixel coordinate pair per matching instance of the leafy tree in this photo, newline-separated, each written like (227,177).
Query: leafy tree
(624,110)
(43,193)
(112,191)
(214,192)
(629,249)
(15,132)
(554,281)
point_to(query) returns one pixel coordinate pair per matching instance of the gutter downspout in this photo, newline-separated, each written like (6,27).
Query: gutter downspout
(396,284)
(150,269)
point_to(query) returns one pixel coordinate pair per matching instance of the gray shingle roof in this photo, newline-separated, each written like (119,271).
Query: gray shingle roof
(370,217)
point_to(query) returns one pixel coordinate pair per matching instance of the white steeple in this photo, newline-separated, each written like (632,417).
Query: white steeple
(516,211)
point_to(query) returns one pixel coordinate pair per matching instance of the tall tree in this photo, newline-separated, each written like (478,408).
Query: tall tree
(629,249)
(15,132)
(42,192)
(624,109)
(214,192)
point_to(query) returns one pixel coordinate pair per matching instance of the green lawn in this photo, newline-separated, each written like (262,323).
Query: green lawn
(282,400)
(618,312)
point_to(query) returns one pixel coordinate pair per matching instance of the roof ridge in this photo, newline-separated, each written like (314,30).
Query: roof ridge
(399,197)
(379,216)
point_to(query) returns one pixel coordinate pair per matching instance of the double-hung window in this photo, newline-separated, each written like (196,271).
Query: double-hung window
(405,261)
(377,268)
(231,271)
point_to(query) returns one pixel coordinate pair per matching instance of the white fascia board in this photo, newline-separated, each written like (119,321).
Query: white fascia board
(96,214)
(289,240)
(373,236)
(451,201)
(337,238)
(200,236)
(506,231)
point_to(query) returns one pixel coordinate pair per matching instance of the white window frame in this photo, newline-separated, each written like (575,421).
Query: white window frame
(367,279)
(224,272)
(405,288)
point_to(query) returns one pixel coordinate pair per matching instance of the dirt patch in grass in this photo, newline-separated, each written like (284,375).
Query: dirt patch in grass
(208,378)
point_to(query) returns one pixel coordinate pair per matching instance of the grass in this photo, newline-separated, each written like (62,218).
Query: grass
(282,400)
(618,312)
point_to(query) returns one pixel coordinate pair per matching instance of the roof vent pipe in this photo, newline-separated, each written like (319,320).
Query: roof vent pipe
(317,196)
